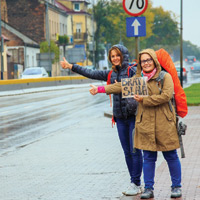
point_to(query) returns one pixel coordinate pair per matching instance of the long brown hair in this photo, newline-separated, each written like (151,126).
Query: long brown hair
(119,53)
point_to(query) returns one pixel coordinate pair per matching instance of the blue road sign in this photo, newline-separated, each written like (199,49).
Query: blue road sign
(135,26)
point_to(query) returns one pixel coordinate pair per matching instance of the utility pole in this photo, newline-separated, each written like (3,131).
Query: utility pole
(47,23)
(47,35)
(2,67)
(136,48)
(181,44)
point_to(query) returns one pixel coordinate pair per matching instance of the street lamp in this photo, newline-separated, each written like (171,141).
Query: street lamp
(93,44)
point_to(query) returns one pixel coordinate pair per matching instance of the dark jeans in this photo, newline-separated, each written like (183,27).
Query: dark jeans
(133,158)
(174,166)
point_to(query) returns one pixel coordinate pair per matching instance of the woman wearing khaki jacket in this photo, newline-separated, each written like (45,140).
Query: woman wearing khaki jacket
(155,126)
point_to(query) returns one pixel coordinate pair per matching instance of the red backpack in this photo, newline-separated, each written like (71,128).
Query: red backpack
(180,98)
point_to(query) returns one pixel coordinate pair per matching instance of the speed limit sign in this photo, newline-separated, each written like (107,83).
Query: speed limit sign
(135,7)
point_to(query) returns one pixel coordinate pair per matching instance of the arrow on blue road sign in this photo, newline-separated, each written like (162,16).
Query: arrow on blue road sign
(135,26)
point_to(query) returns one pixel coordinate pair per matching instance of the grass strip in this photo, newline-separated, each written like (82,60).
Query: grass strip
(193,94)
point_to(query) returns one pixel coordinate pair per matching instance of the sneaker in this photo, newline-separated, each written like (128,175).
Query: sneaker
(176,192)
(132,190)
(147,194)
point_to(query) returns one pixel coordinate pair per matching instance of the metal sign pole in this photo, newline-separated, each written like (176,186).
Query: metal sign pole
(136,47)
(181,45)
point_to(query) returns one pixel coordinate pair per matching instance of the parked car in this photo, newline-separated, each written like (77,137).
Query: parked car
(184,73)
(34,72)
(190,59)
(195,68)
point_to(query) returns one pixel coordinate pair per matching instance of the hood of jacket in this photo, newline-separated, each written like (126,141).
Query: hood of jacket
(152,53)
(125,54)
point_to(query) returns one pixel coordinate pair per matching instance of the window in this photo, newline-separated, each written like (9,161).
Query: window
(78,31)
(78,27)
(76,6)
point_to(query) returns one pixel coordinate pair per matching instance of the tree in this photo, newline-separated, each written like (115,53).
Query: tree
(101,22)
(165,30)
(189,49)
(53,48)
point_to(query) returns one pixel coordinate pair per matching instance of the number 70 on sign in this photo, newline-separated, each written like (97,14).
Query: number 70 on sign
(135,7)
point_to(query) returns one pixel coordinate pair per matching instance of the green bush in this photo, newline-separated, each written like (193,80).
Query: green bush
(53,48)
(63,39)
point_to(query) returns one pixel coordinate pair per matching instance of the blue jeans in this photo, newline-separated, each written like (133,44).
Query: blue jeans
(133,158)
(174,166)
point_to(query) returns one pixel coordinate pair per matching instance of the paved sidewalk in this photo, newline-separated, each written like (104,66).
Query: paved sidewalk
(83,162)
(190,164)
(86,162)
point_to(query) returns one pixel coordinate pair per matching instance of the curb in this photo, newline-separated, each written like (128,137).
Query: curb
(46,89)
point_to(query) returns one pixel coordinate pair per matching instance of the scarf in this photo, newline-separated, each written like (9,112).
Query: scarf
(149,75)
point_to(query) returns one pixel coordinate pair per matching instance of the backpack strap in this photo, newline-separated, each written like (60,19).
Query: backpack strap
(130,67)
(109,77)
(108,83)
(160,80)
(113,121)
(128,72)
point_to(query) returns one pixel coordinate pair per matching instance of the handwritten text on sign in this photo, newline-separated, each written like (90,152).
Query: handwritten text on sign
(132,86)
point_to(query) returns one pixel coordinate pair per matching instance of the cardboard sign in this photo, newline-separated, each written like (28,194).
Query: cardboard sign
(133,86)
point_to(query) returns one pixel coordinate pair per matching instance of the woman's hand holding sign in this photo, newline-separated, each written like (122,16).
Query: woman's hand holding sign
(138,98)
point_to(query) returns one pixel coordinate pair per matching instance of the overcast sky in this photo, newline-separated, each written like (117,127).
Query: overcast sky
(191,17)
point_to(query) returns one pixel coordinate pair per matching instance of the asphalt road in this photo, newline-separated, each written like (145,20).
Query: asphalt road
(26,118)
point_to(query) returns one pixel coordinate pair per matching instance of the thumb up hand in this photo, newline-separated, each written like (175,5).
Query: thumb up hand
(65,64)
(93,90)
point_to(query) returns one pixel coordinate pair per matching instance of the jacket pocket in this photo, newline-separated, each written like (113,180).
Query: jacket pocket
(169,115)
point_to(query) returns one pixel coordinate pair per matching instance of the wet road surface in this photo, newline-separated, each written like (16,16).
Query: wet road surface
(28,117)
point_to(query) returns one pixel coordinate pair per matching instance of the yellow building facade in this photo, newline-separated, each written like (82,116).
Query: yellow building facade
(82,24)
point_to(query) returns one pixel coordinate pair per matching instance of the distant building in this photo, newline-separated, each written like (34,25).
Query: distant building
(82,27)
(21,49)
(30,18)
(39,20)
(45,20)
